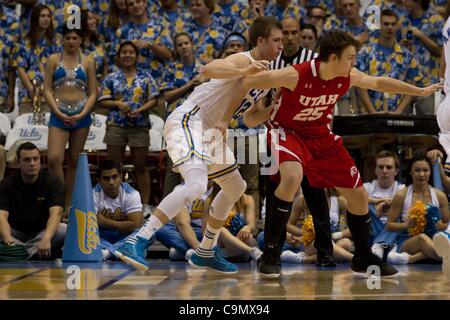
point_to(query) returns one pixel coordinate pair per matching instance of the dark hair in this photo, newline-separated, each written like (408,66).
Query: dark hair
(310,27)
(309,9)
(113,19)
(108,165)
(94,37)
(419,157)
(261,27)
(210,4)
(127,43)
(33,33)
(425,4)
(389,13)
(175,54)
(25,146)
(388,154)
(335,42)
(66,31)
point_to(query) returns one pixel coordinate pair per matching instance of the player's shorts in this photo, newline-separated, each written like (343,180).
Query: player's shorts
(325,161)
(190,142)
(443,120)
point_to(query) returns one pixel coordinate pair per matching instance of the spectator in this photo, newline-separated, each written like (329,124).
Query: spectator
(9,23)
(129,93)
(71,101)
(280,9)
(93,44)
(387,58)
(255,9)
(422,35)
(7,77)
(316,16)
(118,207)
(148,36)
(171,16)
(228,11)
(417,246)
(381,191)
(206,30)
(309,37)
(31,55)
(31,206)
(118,16)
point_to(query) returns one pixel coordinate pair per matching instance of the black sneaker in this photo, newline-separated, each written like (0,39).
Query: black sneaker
(326,261)
(269,265)
(361,264)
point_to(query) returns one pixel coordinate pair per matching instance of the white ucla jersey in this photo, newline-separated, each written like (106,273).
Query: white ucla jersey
(128,200)
(209,96)
(446,39)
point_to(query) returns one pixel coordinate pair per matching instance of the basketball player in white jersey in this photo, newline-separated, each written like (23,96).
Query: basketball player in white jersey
(197,156)
(441,240)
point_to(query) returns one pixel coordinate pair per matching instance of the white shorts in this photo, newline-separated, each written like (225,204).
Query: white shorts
(189,141)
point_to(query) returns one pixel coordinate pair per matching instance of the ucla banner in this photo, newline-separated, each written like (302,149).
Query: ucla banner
(82,241)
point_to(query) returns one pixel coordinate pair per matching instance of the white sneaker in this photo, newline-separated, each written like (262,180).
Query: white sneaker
(441,241)
(398,258)
(106,254)
(378,250)
(189,254)
(291,257)
(175,255)
(255,253)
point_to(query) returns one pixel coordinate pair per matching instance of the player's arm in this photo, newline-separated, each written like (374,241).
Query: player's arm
(236,65)
(281,78)
(257,114)
(390,85)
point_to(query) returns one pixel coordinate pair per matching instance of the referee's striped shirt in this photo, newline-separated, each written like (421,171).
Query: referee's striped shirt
(301,56)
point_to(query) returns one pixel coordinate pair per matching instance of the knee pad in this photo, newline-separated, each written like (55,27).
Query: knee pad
(233,185)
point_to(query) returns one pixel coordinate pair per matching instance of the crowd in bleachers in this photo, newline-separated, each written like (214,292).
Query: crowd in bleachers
(110,84)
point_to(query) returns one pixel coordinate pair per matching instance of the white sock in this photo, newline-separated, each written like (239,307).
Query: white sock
(152,225)
(208,243)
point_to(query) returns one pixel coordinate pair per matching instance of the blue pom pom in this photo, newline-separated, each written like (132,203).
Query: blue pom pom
(433,215)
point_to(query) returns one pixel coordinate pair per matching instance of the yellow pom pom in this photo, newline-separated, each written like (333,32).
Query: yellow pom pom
(417,213)
(307,229)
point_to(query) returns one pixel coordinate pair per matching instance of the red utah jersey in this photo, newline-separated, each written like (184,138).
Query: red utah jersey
(308,109)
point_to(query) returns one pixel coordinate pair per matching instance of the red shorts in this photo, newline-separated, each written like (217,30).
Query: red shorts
(325,161)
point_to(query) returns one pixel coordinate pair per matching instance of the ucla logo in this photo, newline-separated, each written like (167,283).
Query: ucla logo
(31,134)
(91,135)
(88,238)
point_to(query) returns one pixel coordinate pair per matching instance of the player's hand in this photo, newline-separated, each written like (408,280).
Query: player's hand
(257,66)
(435,155)
(425,92)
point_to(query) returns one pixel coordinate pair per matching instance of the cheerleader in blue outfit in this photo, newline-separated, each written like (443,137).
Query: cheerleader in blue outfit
(70,89)
(417,212)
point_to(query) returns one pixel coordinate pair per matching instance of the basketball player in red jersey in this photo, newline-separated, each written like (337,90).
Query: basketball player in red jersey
(305,143)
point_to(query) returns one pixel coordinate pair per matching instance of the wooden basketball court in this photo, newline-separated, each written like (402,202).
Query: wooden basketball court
(180,281)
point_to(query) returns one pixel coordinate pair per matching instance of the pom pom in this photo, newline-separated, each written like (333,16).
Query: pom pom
(417,213)
(433,215)
(307,229)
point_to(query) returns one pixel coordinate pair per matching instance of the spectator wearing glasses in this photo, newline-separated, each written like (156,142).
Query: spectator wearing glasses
(316,16)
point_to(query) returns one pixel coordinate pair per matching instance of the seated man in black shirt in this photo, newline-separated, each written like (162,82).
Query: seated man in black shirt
(31,207)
